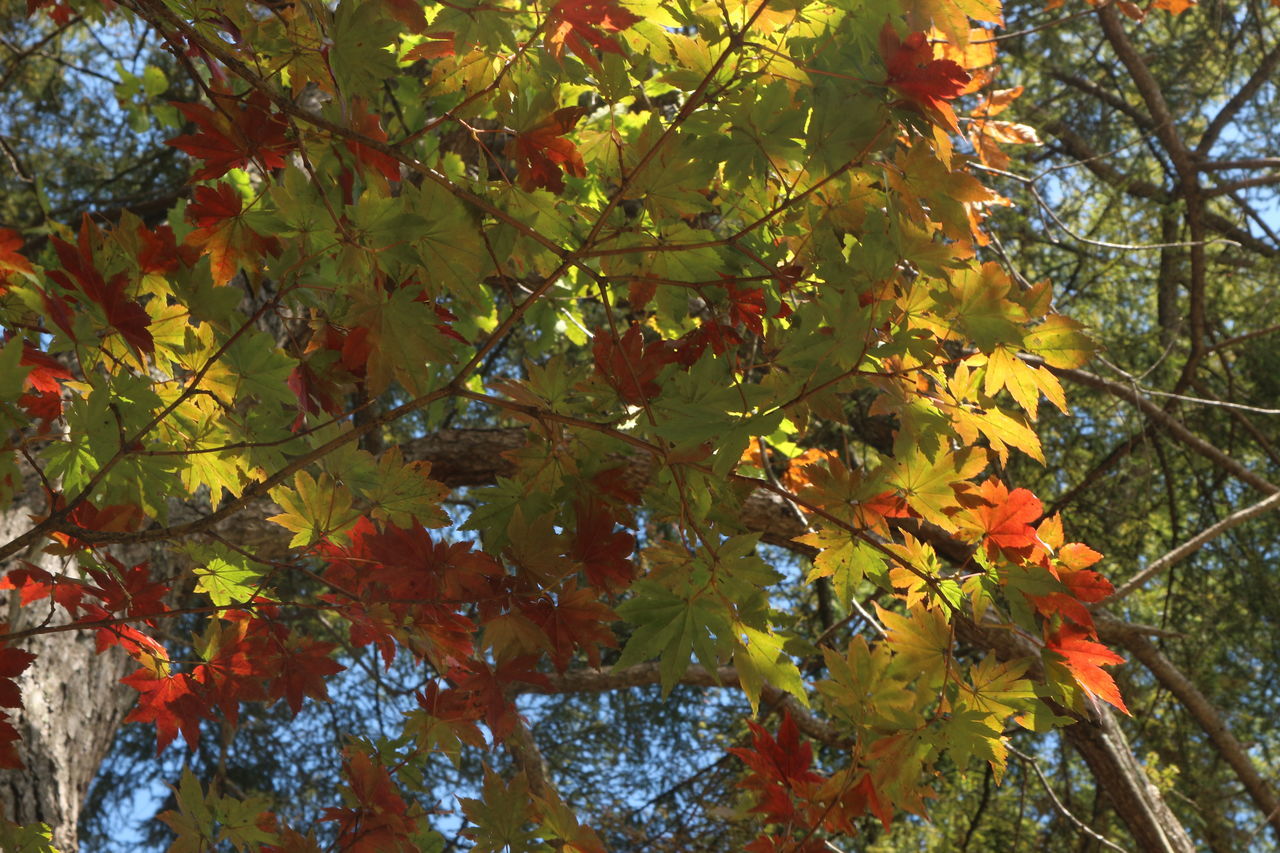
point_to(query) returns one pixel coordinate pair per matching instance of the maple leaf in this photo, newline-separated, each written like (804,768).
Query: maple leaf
(79,274)
(313,394)
(303,666)
(746,306)
(501,816)
(44,399)
(11,259)
(9,741)
(1085,658)
(1003,518)
(129,591)
(629,364)
(486,686)
(582,26)
(369,125)
(922,79)
(380,821)
(541,152)
(604,554)
(233,135)
(779,768)
(116,518)
(615,483)
(575,620)
(221,232)
(13,662)
(169,701)
(159,252)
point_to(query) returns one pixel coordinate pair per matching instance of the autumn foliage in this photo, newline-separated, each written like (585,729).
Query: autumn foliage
(703,232)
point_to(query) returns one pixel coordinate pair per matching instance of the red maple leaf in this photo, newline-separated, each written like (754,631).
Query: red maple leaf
(158,251)
(395,578)
(690,346)
(303,666)
(487,689)
(615,483)
(1087,585)
(746,306)
(582,26)
(80,275)
(60,12)
(313,393)
(129,591)
(380,822)
(13,662)
(43,399)
(115,518)
(541,152)
(135,643)
(169,701)
(369,125)
(234,135)
(919,77)
(34,583)
(629,364)
(576,620)
(221,232)
(1085,659)
(9,740)
(604,554)
(779,768)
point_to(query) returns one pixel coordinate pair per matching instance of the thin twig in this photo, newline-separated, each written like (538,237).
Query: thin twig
(1057,804)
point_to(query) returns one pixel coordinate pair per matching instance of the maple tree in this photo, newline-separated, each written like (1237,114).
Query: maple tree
(674,247)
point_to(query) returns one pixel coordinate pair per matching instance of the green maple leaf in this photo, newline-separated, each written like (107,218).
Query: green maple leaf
(844,558)
(31,838)
(973,733)
(228,577)
(359,56)
(1061,342)
(760,659)
(12,374)
(501,816)
(670,628)
(192,823)
(997,687)
(921,640)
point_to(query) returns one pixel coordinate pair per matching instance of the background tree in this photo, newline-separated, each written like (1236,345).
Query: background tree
(850,243)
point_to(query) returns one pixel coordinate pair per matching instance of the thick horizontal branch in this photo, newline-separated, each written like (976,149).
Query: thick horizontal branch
(648,674)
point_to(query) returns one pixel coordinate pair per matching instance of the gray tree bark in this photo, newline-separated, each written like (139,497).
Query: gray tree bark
(73,702)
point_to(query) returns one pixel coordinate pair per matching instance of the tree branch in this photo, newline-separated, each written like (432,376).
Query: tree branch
(1209,718)
(1195,543)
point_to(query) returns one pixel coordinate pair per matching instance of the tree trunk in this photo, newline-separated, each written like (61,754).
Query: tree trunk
(73,703)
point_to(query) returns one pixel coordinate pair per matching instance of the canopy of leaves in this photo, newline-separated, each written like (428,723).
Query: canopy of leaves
(727,275)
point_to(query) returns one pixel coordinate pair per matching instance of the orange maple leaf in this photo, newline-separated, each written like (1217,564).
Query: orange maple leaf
(581,26)
(221,233)
(11,258)
(1084,659)
(1004,518)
